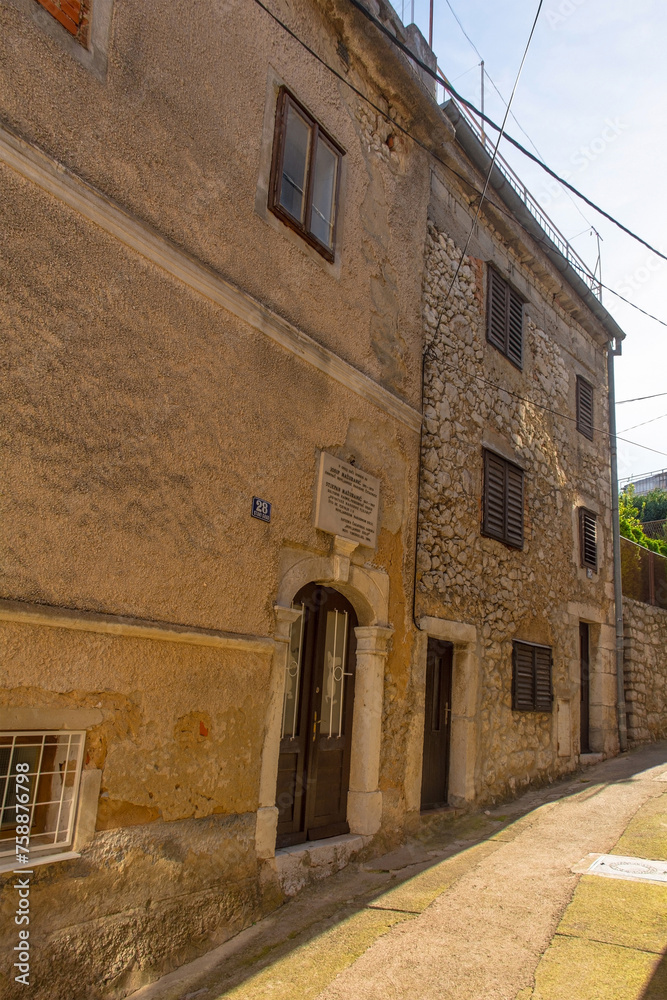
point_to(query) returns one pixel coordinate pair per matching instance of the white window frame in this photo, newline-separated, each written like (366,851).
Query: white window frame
(41,852)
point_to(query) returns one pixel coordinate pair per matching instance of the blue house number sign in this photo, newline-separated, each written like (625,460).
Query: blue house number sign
(261,509)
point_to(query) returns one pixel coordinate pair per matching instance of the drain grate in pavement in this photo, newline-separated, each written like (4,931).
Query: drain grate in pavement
(617,866)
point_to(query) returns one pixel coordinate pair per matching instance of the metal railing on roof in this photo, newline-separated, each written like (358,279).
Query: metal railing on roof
(551,230)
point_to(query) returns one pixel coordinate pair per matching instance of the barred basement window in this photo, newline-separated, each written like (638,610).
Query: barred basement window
(584,407)
(531,677)
(588,538)
(305,175)
(40,775)
(502,515)
(504,318)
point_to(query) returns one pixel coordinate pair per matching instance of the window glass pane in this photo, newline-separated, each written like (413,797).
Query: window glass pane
(295,163)
(324,190)
(334,674)
(290,725)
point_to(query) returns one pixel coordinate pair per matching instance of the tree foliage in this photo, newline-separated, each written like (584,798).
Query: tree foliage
(630,509)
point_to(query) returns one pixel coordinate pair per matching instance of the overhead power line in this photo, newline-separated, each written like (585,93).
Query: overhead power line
(640,399)
(643,423)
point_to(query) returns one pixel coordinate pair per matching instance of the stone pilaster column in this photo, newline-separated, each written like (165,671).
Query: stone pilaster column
(364,799)
(267,813)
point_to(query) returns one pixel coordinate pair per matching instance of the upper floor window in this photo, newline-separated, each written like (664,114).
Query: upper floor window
(584,407)
(72,14)
(502,515)
(504,318)
(305,175)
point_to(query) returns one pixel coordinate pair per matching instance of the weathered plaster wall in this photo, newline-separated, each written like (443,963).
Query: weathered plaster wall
(538,594)
(645,668)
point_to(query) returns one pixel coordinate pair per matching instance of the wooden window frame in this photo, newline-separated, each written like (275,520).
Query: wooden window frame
(503,511)
(540,698)
(285,98)
(585,401)
(504,299)
(585,518)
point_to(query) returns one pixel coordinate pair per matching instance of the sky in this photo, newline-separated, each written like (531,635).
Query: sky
(592,98)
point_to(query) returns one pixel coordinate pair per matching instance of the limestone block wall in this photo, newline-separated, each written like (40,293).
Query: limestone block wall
(475,399)
(645,668)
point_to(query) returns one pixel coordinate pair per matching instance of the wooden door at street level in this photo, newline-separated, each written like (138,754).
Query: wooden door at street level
(584,690)
(314,761)
(437,724)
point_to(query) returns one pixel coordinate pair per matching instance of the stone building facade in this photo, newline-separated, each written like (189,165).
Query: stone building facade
(186,352)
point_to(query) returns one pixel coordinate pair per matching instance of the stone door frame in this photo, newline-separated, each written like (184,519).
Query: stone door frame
(368,591)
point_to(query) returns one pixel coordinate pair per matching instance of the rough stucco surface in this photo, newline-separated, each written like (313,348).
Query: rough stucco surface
(139,420)
(509,594)
(645,668)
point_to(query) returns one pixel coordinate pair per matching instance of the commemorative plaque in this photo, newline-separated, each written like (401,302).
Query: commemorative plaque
(347,501)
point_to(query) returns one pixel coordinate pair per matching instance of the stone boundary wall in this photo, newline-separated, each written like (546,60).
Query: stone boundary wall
(645,668)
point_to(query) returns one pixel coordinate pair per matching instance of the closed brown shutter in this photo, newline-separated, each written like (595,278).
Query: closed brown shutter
(514,523)
(515,328)
(531,677)
(502,516)
(588,538)
(504,322)
(494,496)
(584,407)
(497,311)
(543,697)
(523,693)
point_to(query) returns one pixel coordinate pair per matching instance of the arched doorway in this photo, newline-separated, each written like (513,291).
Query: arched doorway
(318,700)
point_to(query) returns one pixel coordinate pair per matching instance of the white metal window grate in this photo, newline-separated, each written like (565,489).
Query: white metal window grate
(49,764)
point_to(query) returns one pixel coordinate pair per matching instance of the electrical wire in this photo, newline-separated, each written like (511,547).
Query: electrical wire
(643,423)
(442,80)
(518,123)
(493,158)
(640,399)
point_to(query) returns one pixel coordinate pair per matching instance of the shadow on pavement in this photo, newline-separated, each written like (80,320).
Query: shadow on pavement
(657,987)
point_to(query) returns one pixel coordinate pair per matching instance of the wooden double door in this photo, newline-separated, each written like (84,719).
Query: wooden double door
(437,724)
(314,761)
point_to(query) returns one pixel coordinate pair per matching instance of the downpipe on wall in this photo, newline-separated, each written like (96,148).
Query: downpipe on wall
(613,350)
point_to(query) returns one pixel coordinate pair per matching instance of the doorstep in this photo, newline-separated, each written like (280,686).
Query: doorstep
(303,864)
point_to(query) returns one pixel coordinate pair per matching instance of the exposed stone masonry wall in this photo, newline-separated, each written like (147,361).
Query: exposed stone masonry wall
(463,576)
(645,668)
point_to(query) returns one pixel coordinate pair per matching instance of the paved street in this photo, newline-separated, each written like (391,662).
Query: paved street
(483,907)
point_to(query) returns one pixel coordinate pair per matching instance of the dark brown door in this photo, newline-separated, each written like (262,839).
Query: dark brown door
(314,762)
(584,691)
(437,724)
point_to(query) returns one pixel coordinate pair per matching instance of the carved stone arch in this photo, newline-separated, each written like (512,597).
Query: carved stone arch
(367,590)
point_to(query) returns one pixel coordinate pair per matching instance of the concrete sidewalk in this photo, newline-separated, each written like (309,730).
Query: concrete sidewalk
(486,907)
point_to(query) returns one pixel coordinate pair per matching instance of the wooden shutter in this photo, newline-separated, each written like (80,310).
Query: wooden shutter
(531,678)
(523,678)
(504,322)
(588,538)
(515,328)
(584,407)
(514,518)
(496,327)
(543,697)
(493,523)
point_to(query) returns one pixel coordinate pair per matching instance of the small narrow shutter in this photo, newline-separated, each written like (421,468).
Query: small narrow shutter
(514,526)
(584,407)
(494,496)
(524,696)
(515,328)
(496,329)
(588,538)
(543,697)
